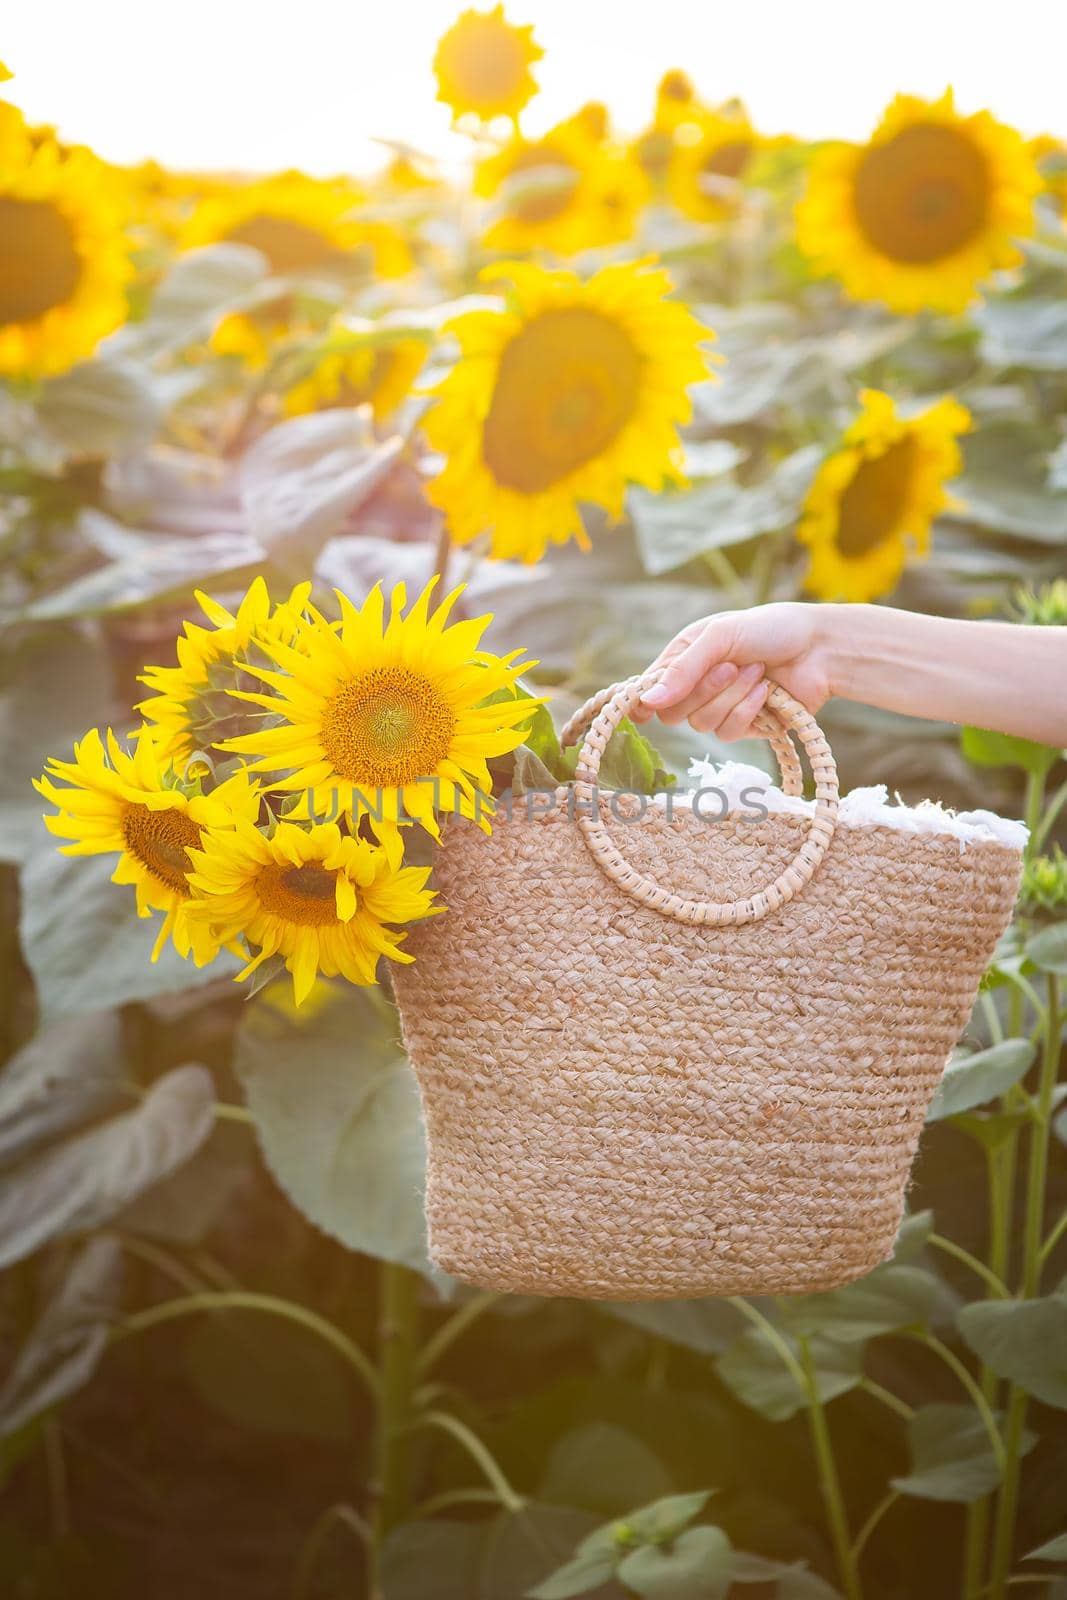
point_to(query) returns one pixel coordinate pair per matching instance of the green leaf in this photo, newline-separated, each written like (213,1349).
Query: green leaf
(200,288)
(337,1113)
(754,1370)
(449,1550)
(794,1581)
(84,942)
(631,763)
(68,1073)
(303,479)
(696,1566)
(55,683)
(522,1548)
(890,1298)
(665,1519)
(1054,1550)
(65,1343)
(1048,949)
(707,1326)
(973,1080)
(101,407)
(1024,1341)
(988,749)
(912,1237)
(578,1576)
(1005,488)
(1024,330)
(270,1378)
(673,528)
(603,1468)
(951,1455)
(85,1180)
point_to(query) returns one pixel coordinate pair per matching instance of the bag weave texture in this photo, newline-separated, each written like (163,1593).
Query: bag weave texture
(622,1106)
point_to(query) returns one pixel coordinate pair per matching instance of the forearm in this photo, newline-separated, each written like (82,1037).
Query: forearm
(996,675)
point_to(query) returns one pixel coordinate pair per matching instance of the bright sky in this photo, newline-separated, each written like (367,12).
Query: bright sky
(264,84)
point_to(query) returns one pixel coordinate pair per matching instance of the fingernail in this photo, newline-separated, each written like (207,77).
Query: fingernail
(658,695)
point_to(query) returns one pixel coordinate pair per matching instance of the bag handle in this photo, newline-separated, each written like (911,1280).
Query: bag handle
(780,719)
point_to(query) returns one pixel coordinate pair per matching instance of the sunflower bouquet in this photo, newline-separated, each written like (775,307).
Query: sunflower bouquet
(268,802)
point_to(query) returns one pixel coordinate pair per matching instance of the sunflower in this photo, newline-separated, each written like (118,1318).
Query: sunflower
(565,394)
(876,495)
(391,721)
(711,154)
(302,225)
(676,104)
(64,264)
(378,372)
(112,800)
(565,192)
(316,896)
(482,65)
(925,211)
(189,706)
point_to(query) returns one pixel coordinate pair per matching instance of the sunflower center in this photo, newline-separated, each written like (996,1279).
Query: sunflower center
(39,265)
(728,160)
(160,840)
(560,177)
(387,727)
(288,246)
(567,386)
(299,894)
(923,194)
(488,63)
(873,505)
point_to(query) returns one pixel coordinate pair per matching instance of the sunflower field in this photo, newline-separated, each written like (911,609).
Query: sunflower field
(324,502)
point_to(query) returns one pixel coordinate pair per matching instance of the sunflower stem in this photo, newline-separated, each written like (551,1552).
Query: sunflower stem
(398,1342)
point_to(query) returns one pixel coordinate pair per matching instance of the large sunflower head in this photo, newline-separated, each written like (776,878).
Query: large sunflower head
(391,719)
(302,225)
(564,395)
(132,803)
(64,262)
(190,707)
(482,65)
(377,371)
(712,152)
(316,896)
(565,192)
(924,212)
(876,495)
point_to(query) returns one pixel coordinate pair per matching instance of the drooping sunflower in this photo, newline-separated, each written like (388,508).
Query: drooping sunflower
(388,719)
(566,394)
(189,707)
(64,262)
(482,65)
(875,497)
(316,896)
(379,372)
(565,192)
(133,803)
(924,212)
(712,152)
(302,225)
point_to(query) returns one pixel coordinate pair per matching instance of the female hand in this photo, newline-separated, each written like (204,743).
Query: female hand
(717,668)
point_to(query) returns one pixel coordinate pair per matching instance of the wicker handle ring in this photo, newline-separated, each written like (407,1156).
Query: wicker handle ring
(782,717)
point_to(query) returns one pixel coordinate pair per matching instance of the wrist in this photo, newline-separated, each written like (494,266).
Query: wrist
(837,630)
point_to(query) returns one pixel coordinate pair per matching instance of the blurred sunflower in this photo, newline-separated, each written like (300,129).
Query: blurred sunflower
(64,263)
(482,65)
(676,103)
(190,705)
(711,155)
(387,720)
(876,495)
(379,372)
(1050,156)
(925,211)
(15,139)
(300,224)
(316,896)
(566,192)
(566,394)
(113,800)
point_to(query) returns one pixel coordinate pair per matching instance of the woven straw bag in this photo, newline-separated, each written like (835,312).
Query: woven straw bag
(634,1092)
